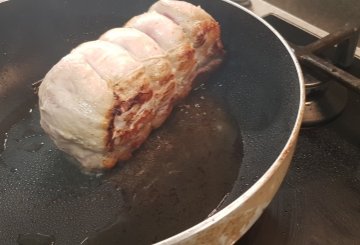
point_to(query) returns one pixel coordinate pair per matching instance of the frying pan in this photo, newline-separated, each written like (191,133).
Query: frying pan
(204,177)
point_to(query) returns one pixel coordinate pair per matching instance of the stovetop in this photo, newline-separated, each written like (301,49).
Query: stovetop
(319,201)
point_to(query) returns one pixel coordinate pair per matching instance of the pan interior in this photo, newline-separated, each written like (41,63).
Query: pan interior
(175,180)
(159,192)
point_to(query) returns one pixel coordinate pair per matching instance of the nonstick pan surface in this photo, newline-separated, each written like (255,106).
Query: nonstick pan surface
(214,146)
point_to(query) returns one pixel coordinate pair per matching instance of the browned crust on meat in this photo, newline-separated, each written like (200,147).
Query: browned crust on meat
(109,162)
(203,29)
(127,136)
(166,79)
(113,112)
(139,99)
(188,59)
(119,107)
(170,91)
(112,158)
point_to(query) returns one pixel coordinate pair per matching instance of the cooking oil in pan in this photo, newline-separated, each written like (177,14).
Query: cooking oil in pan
(179,176)
(176,179)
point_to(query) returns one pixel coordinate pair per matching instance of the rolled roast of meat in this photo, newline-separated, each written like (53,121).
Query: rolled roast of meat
(100,102)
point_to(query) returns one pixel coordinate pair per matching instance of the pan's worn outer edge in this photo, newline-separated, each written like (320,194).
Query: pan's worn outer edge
(232,222)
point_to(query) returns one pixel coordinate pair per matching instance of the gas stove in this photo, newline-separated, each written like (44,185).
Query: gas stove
(319,201)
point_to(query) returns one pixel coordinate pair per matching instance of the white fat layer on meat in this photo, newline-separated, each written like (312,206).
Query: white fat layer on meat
(101,101)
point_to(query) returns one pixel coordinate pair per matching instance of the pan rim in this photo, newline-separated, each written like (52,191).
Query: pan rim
(217,217)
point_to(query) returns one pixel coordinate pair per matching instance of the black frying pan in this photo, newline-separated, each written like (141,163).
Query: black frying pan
(215,145)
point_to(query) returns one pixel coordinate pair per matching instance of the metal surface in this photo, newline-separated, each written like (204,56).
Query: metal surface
(182,168)
(345,40)
(245,3)
(329,15)
(318,17)
(326,99)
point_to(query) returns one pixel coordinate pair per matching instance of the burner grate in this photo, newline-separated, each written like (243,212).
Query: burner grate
(345,41)
(326,98)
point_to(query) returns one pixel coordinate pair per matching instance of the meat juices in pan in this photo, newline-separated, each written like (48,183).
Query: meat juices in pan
(175,179)
(100,102)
